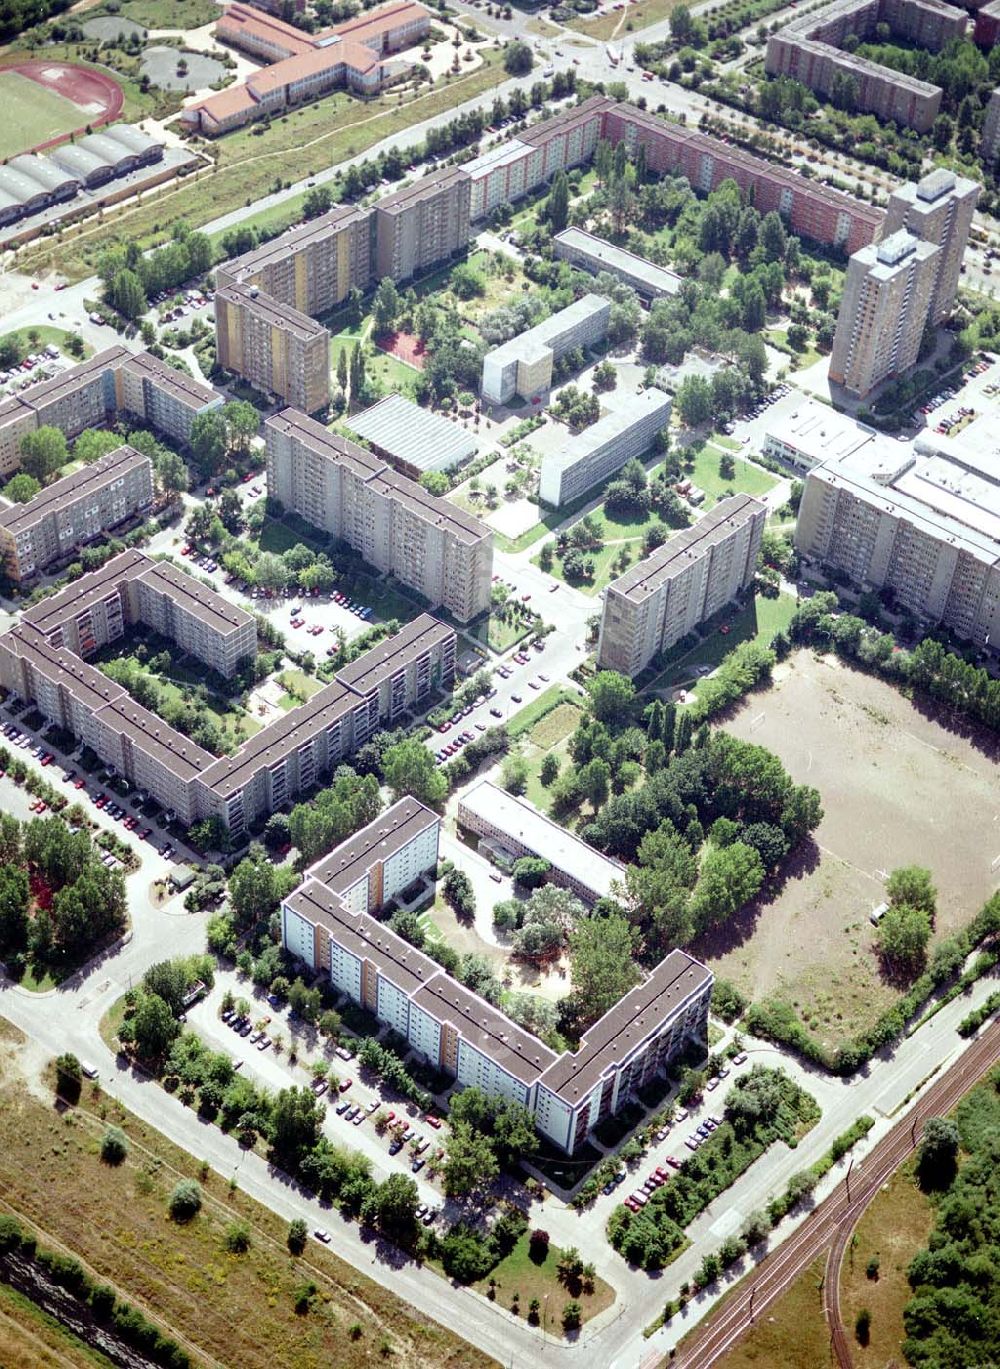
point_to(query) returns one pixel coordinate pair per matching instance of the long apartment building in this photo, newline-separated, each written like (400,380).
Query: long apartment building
(683,583)
(920,519)
(329,922)
(523,365)
(315,266)
(42,660)
(276,348)
(305,66)
(422,224)
(48,529)
(888,292)
(587,458)
(391,521)
(810,50)
(111,384)
(937,209)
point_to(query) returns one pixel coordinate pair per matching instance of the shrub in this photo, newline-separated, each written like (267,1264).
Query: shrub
(572,1316)
(237,1238)
(69,1077)
(114,1146)
(185,1200)
(297,1233)
(863,1326)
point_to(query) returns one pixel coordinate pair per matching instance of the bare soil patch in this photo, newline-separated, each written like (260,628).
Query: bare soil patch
(898,788)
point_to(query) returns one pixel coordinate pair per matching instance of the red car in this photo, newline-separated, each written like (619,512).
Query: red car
(42,807)
(185,551)
(673,1162)
(48,758)
(345,1085)
(145,834)
(101,800)
(434,1122)
(78,784)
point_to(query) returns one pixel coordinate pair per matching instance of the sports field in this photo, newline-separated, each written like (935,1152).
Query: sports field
(32,114)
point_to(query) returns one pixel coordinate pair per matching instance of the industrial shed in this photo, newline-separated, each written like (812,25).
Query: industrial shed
(412,439)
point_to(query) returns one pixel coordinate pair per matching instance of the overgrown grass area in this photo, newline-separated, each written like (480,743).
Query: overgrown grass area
(233,1309)
(31,1339)
(792,1334)
(252,165)
(759,620)
(526,718)
(748,478)
(519,1273)
(164,14)
(616,23)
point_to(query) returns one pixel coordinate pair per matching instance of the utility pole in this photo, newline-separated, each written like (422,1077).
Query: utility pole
(752,1292)
(847,1180)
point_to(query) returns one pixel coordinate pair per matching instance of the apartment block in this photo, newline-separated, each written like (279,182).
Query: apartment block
(396,525)
(41,660)
(95,392)
(48,529)
(312,268)
(595,454)
(811,210)
(593,254)
(523,366)
(810,50)
(423,224)
(519,829)
(989,145)
(937,209)
(682,584)
(888,292)
(274,347)
(329,922)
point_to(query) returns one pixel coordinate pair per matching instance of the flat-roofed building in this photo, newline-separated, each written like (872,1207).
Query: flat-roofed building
(178,606)
(522,830)
(394,523)
(167,399)
(523,365)
(815,433)
(315,266)
(330,923)
(694,574)
(413,440)
(274,347)
(596,453)
(888,292)
(584,249)
(63,517)
(937,209)
(989,145)
(423,224)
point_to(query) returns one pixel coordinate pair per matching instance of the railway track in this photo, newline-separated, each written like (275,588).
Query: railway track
(829,1228)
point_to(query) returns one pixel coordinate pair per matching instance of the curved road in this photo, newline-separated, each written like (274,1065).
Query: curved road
(831,1225)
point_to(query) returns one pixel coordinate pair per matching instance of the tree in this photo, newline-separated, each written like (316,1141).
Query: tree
(694,401)
(518,58)
(168,979)
(185,1200)
(514,773)
(209,441)
(317,201)
(242,425)
(729,878)
(127,294)
(21,487)
(681,25)
(385,305)
(659,886)
(611,696)
(256,887)
(171,471)
(295,1124)
(154,1027)
(43,452)
(435,482)
(911,884)
(470,1165)
(298,1232)
(603,971)
(903,935)
(15,899)
(549,769)
(459,892)
(408,768)
(396,1203)
(557,206)
(531,871)
(69,1077)
(937,1158)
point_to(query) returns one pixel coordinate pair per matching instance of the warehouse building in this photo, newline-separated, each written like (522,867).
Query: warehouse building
(681,585)
(329,923)
(413,440)
(584,249)
(592,456)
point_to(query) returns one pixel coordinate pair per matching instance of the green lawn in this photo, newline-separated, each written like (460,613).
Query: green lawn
(748,479)
(299,680)
(760,620)
(166,14)
(278,537)
(46,334)
(34,114)
(518,1273)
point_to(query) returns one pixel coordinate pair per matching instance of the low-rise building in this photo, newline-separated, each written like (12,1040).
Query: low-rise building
(48,529)
(329,923)
(584,249)
(395,524)
(523,366)
(814,433)
(596,453)
(413,440)
(274,347)
(517,826)
(694,574)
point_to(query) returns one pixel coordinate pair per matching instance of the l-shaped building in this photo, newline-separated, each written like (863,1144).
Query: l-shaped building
(329,922)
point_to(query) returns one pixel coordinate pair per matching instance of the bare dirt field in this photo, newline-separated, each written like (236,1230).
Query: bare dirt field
(898,788)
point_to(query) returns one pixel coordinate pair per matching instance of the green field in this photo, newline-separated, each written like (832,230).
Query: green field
(34,114)
(760,620)
(167,14)
(749,479)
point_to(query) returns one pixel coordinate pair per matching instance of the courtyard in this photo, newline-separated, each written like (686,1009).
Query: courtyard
(898,788)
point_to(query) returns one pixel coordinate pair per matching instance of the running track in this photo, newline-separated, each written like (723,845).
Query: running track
(829,1227)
